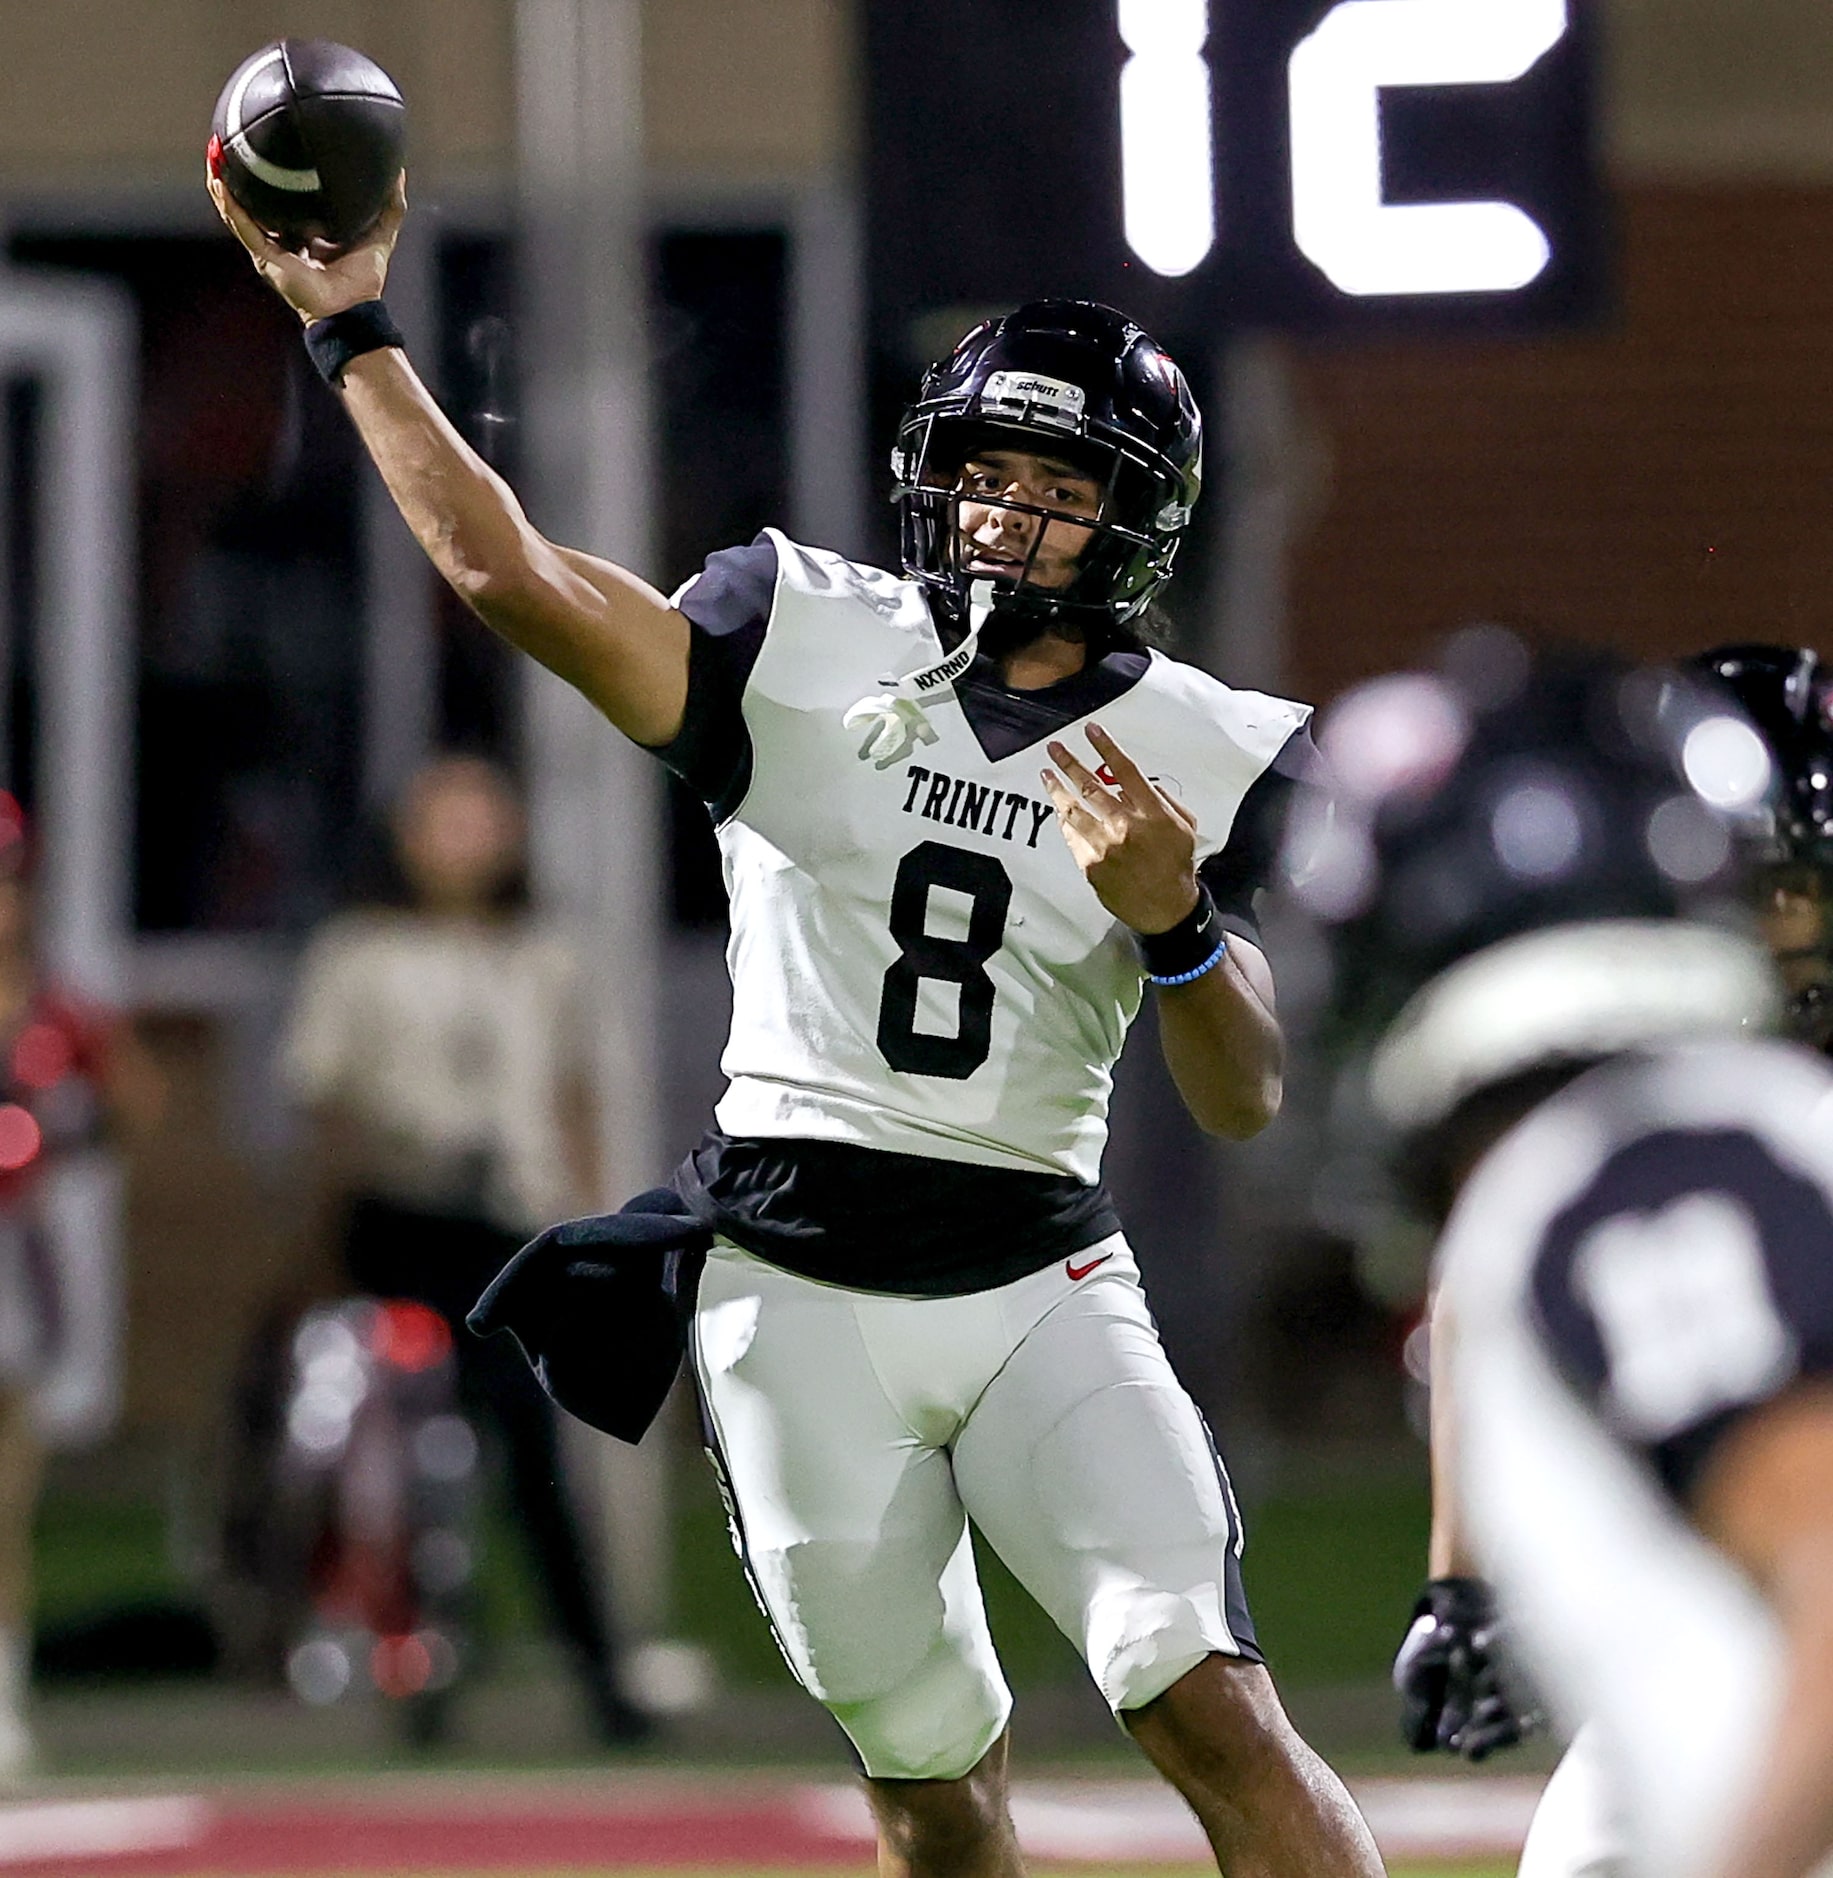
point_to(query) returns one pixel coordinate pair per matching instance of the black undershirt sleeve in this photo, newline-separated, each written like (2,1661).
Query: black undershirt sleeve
(1237,874)
(728,609)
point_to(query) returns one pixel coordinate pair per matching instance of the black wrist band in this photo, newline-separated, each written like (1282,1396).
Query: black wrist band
(1187,949)
(334,342)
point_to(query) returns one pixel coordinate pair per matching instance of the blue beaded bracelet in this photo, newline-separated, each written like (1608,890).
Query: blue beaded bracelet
(1184,978)
(1193,946)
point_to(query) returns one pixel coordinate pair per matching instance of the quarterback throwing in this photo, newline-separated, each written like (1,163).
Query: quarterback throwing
(967,815)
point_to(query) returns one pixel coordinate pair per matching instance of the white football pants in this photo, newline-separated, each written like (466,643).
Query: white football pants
(1576,1831)
(856,1433)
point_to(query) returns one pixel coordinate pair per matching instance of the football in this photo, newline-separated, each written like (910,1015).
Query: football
(308,137)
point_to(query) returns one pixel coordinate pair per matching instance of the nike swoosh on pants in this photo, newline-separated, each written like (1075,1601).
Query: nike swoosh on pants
(1077,1272)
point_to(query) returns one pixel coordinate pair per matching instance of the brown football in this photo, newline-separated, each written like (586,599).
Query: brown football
(309,137)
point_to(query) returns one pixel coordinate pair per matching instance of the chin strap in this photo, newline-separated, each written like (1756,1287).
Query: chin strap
(894,719)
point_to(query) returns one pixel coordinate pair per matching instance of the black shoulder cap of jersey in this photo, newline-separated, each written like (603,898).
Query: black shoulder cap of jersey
(1245,864)
(728,606)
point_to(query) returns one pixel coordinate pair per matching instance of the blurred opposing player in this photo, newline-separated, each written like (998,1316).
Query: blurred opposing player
(1534,914)
(1450,1672)
(966,816)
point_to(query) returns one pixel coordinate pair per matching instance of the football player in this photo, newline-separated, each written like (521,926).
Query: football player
(967,818)
(1450,1672)
(1533,898)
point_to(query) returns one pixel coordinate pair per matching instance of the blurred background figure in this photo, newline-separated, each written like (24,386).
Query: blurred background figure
(440,1045)
(69,1071)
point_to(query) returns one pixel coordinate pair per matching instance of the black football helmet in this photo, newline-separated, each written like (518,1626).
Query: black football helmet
(1787,692)
(1071,379)
(1533,860)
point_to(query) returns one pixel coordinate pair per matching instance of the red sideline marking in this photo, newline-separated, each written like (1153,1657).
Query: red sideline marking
(486,1829)
(300,1839)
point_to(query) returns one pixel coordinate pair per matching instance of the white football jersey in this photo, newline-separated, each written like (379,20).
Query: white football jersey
(1644,1258)
(917,963)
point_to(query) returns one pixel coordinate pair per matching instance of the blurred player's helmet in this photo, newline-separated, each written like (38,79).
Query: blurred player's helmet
(1073,380)
(1787,693)
(1534,860)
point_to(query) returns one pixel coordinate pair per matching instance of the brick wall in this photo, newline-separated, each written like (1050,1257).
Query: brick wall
(1661,482)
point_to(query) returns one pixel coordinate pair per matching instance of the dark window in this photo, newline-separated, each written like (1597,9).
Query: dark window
(251,609)
(721,415)
(249,725)
(722,434)
(479,686)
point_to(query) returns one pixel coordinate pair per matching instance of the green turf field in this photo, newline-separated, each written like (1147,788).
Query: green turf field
(1331,1572)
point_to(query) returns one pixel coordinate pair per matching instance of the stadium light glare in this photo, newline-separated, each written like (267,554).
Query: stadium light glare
(1727,763)
(1167,169)
(1362,244)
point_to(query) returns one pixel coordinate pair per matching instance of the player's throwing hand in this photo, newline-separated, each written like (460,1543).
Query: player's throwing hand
(1135,844)
(316,286)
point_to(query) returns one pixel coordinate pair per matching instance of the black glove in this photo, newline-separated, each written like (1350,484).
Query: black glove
(1454,1689)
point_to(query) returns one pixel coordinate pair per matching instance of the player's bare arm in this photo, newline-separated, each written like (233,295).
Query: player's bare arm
(601,628)
(1767,1500)
(1136,846)
(1448,1553)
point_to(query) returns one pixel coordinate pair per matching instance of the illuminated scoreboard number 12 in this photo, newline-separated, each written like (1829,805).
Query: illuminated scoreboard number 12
(1362,244)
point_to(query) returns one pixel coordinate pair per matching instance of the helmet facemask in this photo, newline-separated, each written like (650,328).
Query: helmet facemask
(1124,561)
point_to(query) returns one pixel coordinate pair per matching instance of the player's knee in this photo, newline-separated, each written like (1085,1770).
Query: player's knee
(871,1638)
(936,1725)
(1142,1644)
